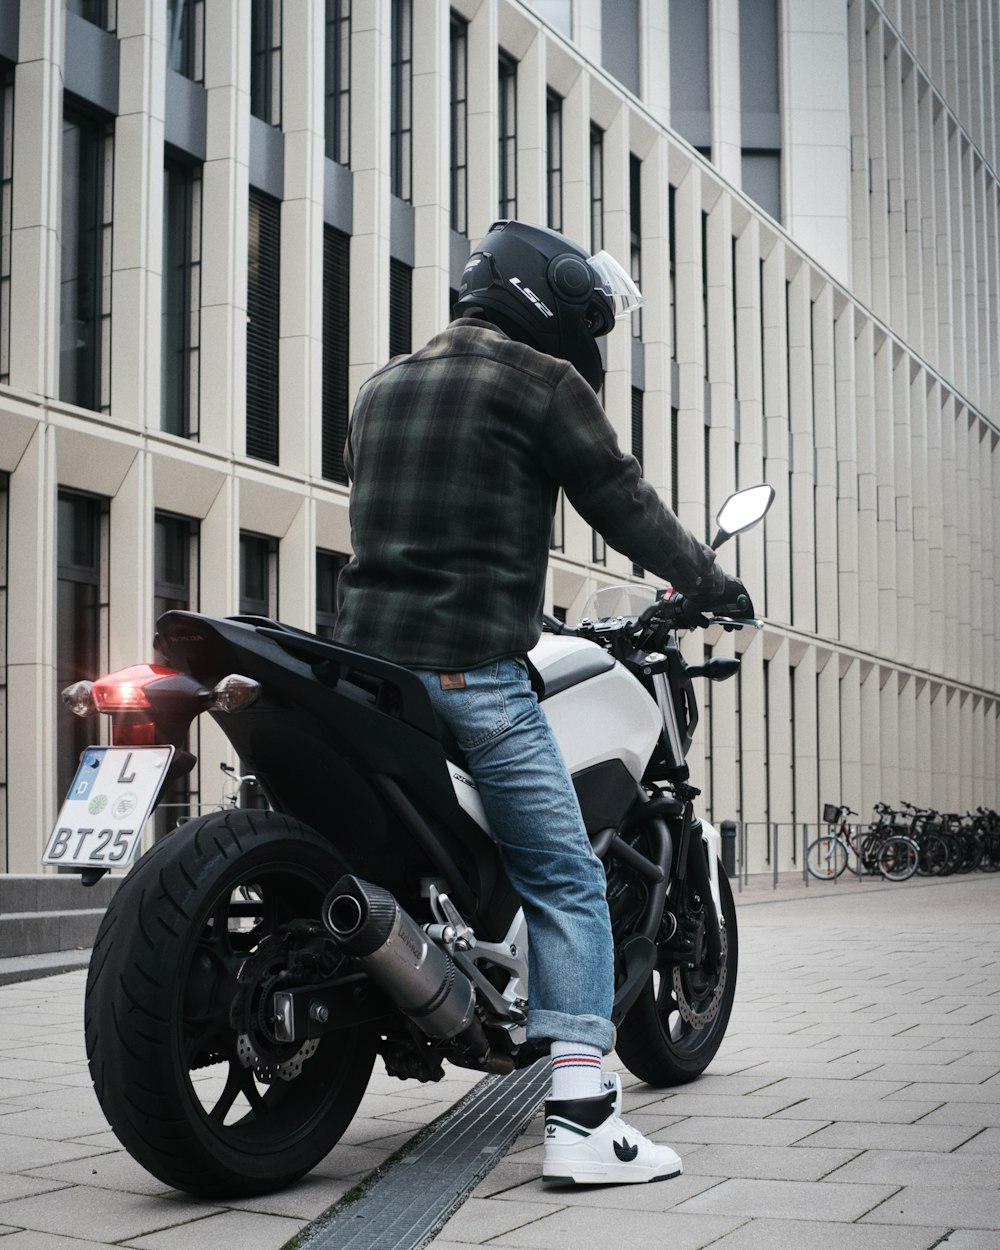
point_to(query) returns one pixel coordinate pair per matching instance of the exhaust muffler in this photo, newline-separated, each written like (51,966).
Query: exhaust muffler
(421,979)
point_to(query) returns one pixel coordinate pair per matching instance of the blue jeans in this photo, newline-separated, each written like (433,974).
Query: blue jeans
(535,818)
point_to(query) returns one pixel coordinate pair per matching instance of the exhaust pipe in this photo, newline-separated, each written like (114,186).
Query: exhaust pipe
(421,979)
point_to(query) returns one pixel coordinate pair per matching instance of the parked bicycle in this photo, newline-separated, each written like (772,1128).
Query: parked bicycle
(878,849)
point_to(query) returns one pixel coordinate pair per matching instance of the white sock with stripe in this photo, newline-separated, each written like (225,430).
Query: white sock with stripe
(576,1071)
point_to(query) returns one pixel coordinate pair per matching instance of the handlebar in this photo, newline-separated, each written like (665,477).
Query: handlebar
(668,612)
(672,612)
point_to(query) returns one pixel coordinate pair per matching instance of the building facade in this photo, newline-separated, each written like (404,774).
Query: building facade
(219,216)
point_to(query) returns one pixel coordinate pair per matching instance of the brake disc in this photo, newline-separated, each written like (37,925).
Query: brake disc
(268,1070)
(256,1047)
(689,1014)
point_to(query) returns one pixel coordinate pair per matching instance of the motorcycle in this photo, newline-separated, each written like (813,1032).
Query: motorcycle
(253,963)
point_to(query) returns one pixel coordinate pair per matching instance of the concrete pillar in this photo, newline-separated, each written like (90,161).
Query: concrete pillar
(225,183)
(301,318)
(31,687)
(370,54)
(816,143)
(137,215)
(724,57)
(431,172)
(35,186)
(482,119)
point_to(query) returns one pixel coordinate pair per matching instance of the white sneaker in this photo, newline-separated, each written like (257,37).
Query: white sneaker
(586,1143)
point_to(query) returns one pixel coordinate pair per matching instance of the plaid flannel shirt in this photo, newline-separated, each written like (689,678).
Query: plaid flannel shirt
(456,453)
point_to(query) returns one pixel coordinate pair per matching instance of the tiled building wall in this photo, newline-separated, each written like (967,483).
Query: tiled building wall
(848,355)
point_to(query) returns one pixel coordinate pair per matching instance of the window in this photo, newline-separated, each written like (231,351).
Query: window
(175,589)
(336,328)
(459,124)
(338,81)
(263,292)
(265,61)
(181,298)
(760,174)
(635,242)
(596,188)
(620,41)
(553,159)
(598,548)
(102,13)
(85,274)
(400,308)
(507,131)
(704,290)
(186,38)
(6,205)
(760,119)
(328,566)
(690,105)
(557,542)
(672,248)
(558,14)
(401,101)
(81,619)
(4,543)
(175,560)
(675,473)
(638,444)
(258,575)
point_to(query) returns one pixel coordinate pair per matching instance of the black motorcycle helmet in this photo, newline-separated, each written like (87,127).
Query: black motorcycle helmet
(544,290)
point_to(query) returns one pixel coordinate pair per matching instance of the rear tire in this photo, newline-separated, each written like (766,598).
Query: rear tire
(169,1065)
(655,1041)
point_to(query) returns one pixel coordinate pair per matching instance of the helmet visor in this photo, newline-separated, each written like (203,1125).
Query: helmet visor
(615,283)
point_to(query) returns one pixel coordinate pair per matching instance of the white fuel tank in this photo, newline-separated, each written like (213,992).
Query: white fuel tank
(604,714)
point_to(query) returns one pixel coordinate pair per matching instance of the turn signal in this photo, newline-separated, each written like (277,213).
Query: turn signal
(79,698)
(234,693)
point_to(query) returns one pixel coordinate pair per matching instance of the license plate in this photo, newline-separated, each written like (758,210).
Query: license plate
(112,794)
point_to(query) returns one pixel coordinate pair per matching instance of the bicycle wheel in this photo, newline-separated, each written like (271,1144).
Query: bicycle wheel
(898,858)
(933,855)
(826,858)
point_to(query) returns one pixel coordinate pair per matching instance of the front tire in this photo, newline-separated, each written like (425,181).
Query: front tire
(186,1092)
(826,858)
(676,1025)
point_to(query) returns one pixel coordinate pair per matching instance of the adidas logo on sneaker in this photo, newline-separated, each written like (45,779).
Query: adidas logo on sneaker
(624,1151)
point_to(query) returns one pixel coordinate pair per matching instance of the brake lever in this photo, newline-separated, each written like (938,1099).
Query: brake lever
(750,622)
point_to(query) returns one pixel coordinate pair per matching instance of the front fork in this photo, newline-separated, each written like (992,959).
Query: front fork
(699,847)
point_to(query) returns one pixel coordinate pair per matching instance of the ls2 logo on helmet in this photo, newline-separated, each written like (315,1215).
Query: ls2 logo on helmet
(528,293)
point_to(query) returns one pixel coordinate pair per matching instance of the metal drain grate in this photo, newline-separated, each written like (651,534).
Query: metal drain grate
(420,1189)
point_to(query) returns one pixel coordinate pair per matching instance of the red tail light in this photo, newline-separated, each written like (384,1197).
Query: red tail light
(125,691)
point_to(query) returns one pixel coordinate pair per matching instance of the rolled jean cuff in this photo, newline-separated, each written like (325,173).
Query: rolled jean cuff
(560,1027)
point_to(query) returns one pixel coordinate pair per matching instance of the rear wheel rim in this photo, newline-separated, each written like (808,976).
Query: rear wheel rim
(226,1095)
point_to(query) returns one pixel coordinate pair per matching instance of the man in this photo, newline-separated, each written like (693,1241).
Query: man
(456,454)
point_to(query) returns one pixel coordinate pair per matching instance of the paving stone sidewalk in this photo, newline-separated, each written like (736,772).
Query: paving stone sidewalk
(855,1105)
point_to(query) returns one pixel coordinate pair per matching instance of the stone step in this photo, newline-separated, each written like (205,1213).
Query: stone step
(43,932)
(27,892)
(31,967)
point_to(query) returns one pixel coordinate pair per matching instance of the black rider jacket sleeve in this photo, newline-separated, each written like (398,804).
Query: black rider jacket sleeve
(605,485)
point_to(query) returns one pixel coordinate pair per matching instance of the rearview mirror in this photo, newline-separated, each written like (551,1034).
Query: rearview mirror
(741,511)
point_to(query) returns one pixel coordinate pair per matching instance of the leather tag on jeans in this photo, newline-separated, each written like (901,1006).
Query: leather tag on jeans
(452,681)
